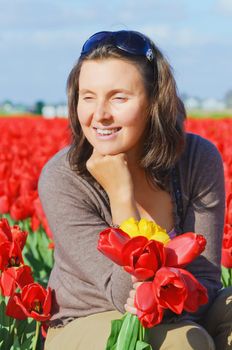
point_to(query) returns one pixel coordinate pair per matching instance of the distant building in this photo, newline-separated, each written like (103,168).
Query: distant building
(50,111)
(192,103)
(212,104)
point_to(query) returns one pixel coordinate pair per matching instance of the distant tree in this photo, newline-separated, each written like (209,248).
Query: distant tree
(38,107)
(228,99)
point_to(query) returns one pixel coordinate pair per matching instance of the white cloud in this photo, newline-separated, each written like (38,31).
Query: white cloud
(179,37)
(224,6)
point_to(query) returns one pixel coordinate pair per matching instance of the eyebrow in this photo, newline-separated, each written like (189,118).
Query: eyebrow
(111,92)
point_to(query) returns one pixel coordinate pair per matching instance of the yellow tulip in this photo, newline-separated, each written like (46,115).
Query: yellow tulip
(161,237)
(146,228)
(130,226)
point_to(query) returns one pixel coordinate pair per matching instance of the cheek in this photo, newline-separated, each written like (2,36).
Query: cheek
(83,115)
(136,124)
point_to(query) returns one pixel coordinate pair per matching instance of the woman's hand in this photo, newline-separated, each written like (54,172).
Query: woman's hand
(112,173)
(130,306)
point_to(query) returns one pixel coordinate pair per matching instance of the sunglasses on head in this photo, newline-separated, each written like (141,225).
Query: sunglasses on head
(129,41)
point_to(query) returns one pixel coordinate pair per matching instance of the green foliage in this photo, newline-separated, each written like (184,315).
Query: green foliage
(201,114)
(128,334)
(226,277)
(15,334)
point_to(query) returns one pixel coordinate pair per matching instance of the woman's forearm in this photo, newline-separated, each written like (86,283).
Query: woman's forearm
(123,208)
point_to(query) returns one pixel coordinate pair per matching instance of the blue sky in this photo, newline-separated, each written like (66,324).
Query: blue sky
(40,40)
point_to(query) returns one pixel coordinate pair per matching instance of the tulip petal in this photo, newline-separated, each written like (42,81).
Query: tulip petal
(183,249)
(145,298)
(197,293)
(14,310)
(170,289)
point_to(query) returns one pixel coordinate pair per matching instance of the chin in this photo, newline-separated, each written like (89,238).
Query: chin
(109,152)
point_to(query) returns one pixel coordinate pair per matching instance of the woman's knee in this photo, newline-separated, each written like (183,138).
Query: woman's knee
(184,336)
(218,320)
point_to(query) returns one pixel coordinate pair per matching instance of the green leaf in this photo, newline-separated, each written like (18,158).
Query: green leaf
(27,343)
(129,333)
(115,329)
(16,344)
(7,338)
(226,277)
(5,320)
(25,328)
(140,345)
(38,256)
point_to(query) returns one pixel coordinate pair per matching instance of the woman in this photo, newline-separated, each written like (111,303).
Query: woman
(129,158)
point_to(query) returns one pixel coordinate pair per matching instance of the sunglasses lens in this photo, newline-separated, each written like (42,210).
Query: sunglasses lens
(131,42)
(93,42)
(128,41)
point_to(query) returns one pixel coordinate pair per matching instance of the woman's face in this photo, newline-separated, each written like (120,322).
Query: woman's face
(112,106)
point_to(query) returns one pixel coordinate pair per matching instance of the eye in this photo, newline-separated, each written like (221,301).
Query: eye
(120,98)
(87,98)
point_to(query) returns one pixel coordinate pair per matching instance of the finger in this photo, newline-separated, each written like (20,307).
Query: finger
(132,293)
(137,284)
(130,309)
(130,301)
(134,279)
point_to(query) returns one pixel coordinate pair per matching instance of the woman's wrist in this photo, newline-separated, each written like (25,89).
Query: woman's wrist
(122,209)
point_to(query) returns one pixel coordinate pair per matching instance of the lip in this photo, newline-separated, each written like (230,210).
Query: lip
(107,128)
(106,137)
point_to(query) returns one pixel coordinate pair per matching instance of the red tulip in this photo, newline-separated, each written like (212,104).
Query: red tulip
(197,294)
(22,207)
(10,255)
(170,289)
(142,258)
(13,309)
(14,277)
(227,247)
(183,249)
(5,231)
(34,301)
(19,236)
(4,204)
(149,310)
(12,234)
(229,210)
(111,242)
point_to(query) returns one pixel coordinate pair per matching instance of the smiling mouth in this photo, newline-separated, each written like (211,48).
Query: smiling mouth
(106,131)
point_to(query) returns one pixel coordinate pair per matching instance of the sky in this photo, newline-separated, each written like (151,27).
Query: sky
(40,41)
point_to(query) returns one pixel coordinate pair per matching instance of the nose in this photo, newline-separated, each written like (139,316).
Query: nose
(102,111)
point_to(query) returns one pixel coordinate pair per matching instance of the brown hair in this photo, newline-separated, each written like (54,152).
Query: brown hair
(165,138)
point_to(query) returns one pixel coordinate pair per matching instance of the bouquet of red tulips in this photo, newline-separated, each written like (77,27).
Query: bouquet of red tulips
(166,284)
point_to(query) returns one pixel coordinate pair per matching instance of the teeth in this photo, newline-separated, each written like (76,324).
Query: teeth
(106,132)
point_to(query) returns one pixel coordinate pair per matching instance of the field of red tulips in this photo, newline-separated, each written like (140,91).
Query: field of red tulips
(26,144)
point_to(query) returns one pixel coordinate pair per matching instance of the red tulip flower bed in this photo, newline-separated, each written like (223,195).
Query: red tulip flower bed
(26,257)
(219,132)
(26,144)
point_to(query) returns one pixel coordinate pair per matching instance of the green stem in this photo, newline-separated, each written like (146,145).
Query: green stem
(141,332)
(35,339)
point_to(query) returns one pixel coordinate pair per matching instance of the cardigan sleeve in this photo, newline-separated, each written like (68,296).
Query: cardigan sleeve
(204,197)
(75,218)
